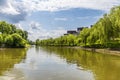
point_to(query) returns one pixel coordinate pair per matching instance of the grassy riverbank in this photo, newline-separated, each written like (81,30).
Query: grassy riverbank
(115,52)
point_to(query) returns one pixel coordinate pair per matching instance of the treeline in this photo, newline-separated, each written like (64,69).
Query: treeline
(105,33)
(69,40)
(10,36)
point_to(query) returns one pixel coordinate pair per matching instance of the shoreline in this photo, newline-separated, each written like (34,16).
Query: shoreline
(100,50)
(113,51)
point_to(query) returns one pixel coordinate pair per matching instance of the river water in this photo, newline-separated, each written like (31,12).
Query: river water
(55,63)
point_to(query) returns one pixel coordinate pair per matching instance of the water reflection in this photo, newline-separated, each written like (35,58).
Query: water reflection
(104,67)
(43,65)
(10,57)
(53,63)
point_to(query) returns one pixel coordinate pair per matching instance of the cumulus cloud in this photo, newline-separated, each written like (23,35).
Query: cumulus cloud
(17,10)
(35,25)
(6,7)
(10,11)
(14,18)
(37,31)
(18,25)
(56,5)
(45,34)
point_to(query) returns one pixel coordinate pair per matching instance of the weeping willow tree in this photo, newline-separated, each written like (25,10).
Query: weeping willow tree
(84,35)
(104,33)
(105,30)
(115,20)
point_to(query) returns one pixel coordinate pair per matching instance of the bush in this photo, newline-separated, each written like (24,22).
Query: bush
(9,40)
(15,40)
(1,39)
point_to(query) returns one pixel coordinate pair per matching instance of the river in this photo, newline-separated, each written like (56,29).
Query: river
(55,63)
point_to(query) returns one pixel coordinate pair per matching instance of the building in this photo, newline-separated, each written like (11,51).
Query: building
(72,32)
(65,34)
(79,29)
(91,26)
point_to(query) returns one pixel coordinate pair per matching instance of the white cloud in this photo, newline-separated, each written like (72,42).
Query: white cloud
(60,19)
(35,25)
(17,10)
(6,7)
(89,17)
(41,33)
(45,34)
(18,25)
(56,5)
(30,32)
(11,11)
(14,6)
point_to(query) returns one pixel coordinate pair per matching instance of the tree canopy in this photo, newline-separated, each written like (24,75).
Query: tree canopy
(11,36)
(105,33)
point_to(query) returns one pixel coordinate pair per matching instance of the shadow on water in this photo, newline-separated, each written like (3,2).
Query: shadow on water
(104,67)
(9,57)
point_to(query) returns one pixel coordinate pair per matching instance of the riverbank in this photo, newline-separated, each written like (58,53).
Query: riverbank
(115,52)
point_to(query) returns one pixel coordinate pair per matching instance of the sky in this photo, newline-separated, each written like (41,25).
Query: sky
(52,18)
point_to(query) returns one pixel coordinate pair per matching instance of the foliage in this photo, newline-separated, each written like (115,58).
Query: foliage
(1,39)
(61,41)
(105,33)
(9,40)
(11,36)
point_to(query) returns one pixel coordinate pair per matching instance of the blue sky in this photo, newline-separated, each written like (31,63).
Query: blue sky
(52,18)
(68,19)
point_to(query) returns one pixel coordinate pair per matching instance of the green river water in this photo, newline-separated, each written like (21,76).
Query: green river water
(55,63)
